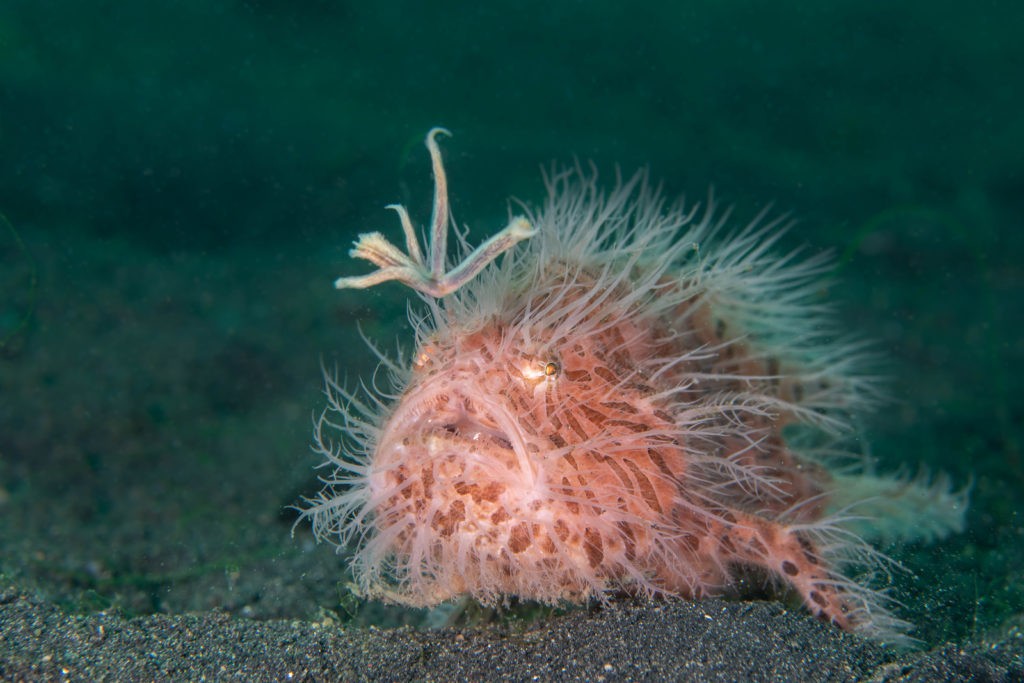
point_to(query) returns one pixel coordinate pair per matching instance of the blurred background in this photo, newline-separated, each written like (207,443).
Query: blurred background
(182,180)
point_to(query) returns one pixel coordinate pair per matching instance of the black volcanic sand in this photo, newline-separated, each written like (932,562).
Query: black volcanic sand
(709,641)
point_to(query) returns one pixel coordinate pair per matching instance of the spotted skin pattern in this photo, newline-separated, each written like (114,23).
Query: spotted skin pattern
(615,495)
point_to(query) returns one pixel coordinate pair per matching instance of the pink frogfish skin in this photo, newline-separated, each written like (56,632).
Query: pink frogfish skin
(633,399)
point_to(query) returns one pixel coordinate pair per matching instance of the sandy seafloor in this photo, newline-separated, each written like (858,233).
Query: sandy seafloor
(182,182)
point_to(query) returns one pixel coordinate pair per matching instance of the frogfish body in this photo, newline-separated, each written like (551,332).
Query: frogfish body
(632,399)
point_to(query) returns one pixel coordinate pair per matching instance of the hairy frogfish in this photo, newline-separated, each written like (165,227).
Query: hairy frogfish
(615,395)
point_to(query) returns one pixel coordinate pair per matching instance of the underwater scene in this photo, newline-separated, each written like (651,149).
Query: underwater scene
(533,341)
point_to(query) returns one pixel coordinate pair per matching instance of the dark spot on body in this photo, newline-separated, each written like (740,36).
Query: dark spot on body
(621,406)
(808,548)
(577,375)
(499,516)
(628,424)
(614,465)
(726,543)
(519,538)
(593,546)
(659,461)
(595,416)
(445,524)
(547,545)
(650,496)
(575,426)
(629,540)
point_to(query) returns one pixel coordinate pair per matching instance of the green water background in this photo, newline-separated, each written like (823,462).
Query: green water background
(183,180)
